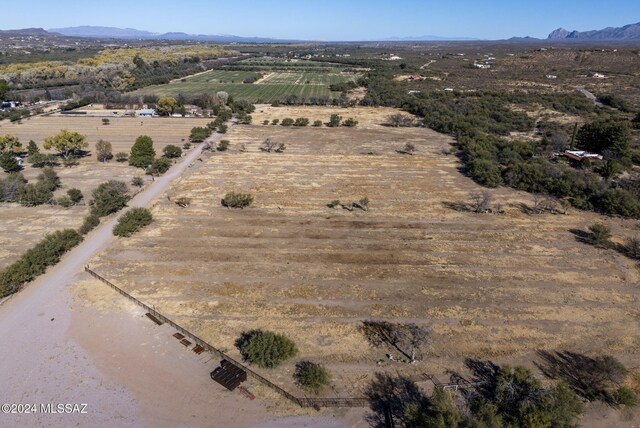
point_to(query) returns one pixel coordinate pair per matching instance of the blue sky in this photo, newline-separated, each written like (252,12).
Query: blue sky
(329,19)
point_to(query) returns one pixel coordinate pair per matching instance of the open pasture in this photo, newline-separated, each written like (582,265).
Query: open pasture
(490,286)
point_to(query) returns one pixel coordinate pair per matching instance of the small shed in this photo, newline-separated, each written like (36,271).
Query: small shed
(229,375)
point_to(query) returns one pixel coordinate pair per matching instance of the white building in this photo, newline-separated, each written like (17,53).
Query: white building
(146,112)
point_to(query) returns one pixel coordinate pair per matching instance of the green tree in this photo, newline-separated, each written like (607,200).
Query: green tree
(600,136)
(90,222)
(9,163)
(109,198)
(199,134)
(32,148)
(485,171)
(172,151)
(132,221)
(66,142)
(159,166)
(265,348)
(142,152)
(166,106)
(4,88)
(137,181)
(32,195)
(311,376)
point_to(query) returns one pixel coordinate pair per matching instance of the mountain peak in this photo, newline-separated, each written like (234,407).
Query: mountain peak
(628,32)
(560,33)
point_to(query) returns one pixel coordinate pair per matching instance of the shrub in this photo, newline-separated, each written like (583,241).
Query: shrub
(485,171)
(312,377)
(186,146)
(132,221)
(64,201)
(287,121)
(222,129)
(183,202)
(265,122)
(159,166)
(122,157)
(49,178)
(334,203)
(223,145)
(198,134)
(90,222)
(142,152)
(600,234)
(624,396)
(109,197)
(275,121)
(40,160)
(172,151)
(75,195)
(334,120)
(237,200)
(137,181)
(301,121)
(266,349)
(317,123)
(36,260)
(351,122)
(32,195)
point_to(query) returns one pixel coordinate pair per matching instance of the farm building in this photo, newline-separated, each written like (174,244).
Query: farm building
(147,112)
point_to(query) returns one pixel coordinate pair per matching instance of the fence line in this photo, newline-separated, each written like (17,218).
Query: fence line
(301,401)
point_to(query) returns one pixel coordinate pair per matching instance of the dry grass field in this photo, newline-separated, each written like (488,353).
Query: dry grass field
(490,286)
(21,227)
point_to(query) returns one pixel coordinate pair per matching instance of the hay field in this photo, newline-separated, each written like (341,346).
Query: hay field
(490,286)
(21,227)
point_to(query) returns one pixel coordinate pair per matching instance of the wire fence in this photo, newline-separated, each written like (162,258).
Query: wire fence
(301,401)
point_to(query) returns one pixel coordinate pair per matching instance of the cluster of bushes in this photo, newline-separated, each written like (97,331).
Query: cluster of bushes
(237,200)
(36,260)
(71,105)
(132,221)
(40,192)
(265,348)
(297,100)
(109,197)
(73,197)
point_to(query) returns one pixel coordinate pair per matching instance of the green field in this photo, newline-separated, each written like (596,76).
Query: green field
(273,87)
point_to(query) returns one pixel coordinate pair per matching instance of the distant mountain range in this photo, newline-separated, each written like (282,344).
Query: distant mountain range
(26,32)
(427,39)
(628,32)
(131,33)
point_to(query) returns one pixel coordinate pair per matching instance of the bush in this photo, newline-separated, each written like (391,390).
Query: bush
(222,129)
(75,195)
(122,157)
(266,349)
(109,197)
(311,376)
(137,181)
(223,146)
(351,122)
(172,151)
(301,121)
(40,160)
(317,123)
(198,134)
(485,171)
(237,200)
(600,234)
(624,396)
(159,166)
(32,195)
(183,202)
(132,221)
(265,122)
(186,146)
(49,178)
(334,120)
(287,121)
(275,121)
(64,201)
(90,222)
(35,261)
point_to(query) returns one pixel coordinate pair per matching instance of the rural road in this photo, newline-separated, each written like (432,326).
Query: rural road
(589,95)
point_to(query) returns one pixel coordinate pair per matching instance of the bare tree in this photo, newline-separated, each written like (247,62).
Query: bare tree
(399,120)
(480,201)
(269,145)
(103,151)
(407,339)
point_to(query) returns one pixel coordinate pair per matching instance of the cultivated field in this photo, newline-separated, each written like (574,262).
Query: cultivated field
(490,286)
(21,227)
(273,87)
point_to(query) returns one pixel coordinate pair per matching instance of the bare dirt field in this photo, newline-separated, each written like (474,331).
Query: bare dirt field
(490,286)
(21,227)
